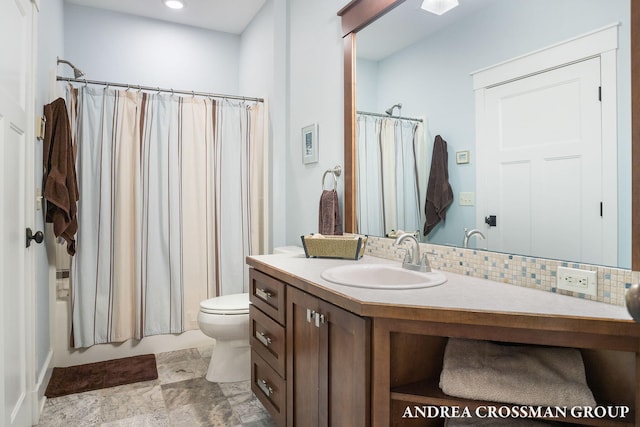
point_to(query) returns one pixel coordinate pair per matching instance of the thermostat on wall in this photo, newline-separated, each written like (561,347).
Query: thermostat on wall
(462,157)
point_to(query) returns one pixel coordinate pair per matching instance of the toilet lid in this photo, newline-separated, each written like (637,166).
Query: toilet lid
(226,304)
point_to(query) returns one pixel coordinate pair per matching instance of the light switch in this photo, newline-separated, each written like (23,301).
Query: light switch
(467,199)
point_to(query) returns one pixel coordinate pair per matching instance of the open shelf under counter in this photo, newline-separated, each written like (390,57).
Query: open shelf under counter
(428,393)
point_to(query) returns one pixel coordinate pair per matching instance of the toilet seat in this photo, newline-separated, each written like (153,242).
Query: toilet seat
(227,304)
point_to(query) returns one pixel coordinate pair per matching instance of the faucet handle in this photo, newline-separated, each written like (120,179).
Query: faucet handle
(408,255)
(424,263)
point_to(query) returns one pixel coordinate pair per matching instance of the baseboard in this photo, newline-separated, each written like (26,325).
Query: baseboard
(39,399)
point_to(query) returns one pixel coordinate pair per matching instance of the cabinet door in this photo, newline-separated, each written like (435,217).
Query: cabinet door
(303,350)
(344,368)
(328,364)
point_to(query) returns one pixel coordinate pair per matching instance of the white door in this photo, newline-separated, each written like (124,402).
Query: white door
(539,166)
(16,172)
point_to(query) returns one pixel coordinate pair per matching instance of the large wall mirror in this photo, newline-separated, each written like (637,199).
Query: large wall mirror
(397,53)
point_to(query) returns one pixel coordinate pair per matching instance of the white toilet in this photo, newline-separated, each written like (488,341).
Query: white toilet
(226,319)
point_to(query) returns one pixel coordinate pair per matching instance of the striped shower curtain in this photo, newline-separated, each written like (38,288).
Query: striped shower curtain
(172,200)
(391,174)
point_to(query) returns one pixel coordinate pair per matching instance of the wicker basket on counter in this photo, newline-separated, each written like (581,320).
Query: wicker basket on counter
(346,246)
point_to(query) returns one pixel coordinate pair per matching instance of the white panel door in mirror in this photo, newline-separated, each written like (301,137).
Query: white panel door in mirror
(541,171)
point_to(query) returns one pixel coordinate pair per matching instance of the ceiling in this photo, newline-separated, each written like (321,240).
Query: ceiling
(408,23)
(230,16)
(398,29)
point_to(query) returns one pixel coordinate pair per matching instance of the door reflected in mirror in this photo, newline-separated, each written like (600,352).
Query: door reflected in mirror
(427,62)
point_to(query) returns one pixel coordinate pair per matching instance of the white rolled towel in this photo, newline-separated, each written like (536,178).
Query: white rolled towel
(518,374)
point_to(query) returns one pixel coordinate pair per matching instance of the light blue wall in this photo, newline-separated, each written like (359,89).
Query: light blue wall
(315,96)
(124,48)
(366,88)
(263,73)
(432,79)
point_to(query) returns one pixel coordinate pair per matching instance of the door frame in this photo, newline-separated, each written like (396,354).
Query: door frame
(602,43)
(35,382)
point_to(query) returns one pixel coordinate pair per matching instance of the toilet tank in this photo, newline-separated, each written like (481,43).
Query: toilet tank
(292,250)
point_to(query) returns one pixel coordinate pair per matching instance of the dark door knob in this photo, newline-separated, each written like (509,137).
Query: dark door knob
(490,220)
(37,236)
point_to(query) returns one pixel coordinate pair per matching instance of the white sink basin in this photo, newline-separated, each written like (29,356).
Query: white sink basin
(382,276)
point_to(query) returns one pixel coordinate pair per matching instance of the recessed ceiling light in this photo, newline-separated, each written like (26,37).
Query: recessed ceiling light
(173,4)
(439,7)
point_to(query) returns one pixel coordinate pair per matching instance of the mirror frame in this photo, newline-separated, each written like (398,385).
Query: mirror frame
(359,13)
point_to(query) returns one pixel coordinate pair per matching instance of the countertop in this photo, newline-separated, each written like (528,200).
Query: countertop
(463,298)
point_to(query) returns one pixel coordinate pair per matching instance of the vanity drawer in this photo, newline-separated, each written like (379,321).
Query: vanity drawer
(269,388)
(267,339)
(267,294)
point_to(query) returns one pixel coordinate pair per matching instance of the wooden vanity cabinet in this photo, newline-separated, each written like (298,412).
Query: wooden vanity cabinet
(327,363)
(309,359)
(333,360)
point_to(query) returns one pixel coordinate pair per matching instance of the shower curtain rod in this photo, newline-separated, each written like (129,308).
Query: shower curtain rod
(156,89)
(389,117)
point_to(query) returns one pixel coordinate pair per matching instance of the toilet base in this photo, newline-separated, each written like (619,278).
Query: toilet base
(230,362)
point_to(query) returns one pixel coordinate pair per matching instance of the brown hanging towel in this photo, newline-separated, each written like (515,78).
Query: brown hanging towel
(329,222)
(439,193)
(60,184)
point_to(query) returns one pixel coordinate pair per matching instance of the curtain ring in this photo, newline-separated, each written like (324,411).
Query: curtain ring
(158,90)
(172,92)
(193,94)
(128,87)
(85,83)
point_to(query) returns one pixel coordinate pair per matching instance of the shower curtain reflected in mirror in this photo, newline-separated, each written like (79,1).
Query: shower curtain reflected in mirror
(172,200)
(391,174)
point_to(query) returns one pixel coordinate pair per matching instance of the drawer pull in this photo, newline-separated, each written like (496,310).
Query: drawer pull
(264,294)
(263,338)
(319,318)
(266,388)
(310,314)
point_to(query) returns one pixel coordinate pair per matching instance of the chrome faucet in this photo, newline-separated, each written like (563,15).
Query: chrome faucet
(412,260)
(468,234)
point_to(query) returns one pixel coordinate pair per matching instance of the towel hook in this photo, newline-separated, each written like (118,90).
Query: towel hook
(335,173)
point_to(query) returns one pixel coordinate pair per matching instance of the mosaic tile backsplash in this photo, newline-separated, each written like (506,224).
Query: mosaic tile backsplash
(518,270)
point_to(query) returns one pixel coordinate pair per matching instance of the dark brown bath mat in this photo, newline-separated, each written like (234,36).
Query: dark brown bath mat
(94,376)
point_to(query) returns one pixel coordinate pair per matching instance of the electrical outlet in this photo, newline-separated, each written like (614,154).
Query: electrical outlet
(575,280)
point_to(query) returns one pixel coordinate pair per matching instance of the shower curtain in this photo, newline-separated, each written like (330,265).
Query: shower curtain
(172,200)
(392,174)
